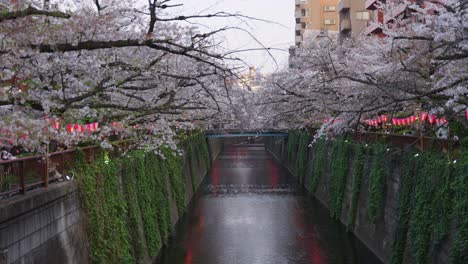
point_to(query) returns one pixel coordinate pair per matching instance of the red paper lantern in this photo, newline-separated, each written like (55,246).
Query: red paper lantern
(424,116)
(95,126)
(70,128)
(432,118)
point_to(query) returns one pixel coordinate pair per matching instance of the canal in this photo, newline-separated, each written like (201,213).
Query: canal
(249,211)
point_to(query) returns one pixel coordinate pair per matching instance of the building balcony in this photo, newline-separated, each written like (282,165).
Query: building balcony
(343,4)
(298,26)
(345,25)
(371,4)
(298,14)
(374,26)
(298,39)
(300,2)
(395,12)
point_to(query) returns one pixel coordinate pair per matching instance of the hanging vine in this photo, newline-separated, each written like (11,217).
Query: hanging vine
(420,229)
(459,186)
(358,171)
(319,164)
(302,154)
(105,209)
(408,168)
(338,173)
(377,178)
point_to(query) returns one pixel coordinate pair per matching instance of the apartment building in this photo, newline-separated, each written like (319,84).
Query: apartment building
(316,18)
(354,17)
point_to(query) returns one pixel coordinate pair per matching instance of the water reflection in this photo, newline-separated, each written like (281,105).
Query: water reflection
(249,211)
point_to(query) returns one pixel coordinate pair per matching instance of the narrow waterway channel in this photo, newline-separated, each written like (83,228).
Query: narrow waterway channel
(249,211)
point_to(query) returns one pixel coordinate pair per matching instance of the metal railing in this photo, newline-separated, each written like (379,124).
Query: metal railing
(407,141)
(20,175)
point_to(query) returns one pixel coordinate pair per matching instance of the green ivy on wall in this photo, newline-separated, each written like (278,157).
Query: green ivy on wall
(176,177)
(459,186)
(432,192)
(302,153)
(338,173)
(319,163)
(358,171)
(105,210)
(127,200)
(377,179)
(408,167)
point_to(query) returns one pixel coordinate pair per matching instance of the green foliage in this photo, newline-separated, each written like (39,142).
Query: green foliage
(190,162)
(421,223)
(135,222)
(176,177)
(319,163)
(128,214)
(106,210)
(377,178)
(408,168)
(293,140)
(302,153)
(358,171)
(338,173)
(459,185)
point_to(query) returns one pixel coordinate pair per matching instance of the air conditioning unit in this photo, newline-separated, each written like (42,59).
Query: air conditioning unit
(329,8)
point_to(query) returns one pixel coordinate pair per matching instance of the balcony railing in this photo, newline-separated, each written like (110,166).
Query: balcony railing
(370,4)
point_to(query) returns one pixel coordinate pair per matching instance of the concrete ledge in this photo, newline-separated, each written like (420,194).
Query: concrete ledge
(22,204)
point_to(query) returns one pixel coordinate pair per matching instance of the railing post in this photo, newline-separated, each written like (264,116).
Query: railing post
(21,178)
(45,178)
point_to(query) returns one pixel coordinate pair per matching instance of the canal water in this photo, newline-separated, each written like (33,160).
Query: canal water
(249,211)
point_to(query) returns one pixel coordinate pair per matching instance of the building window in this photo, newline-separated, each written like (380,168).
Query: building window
(304,25)
(298,20)
(305,12)
(330,21)
(329,8)
(298,32)
(362,15)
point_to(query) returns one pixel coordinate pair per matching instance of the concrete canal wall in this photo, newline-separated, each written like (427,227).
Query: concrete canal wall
(378,235)
(51,225)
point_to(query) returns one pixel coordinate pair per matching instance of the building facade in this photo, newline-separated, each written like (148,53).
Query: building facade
(315,18)
(354,17)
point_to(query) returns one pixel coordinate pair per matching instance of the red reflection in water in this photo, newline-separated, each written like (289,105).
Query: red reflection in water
(194,237)
(310,240)
(273,173)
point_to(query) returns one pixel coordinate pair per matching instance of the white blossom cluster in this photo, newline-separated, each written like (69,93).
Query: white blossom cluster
(421,64)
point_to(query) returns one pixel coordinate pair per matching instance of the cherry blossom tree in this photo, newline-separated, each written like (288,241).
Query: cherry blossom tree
(420,63)
(129,66)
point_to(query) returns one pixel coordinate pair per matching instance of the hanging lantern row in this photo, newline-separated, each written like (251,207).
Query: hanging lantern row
(377,121)
(92,127)
(432,119)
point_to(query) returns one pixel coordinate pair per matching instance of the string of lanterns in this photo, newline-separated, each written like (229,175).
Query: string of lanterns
(407,121)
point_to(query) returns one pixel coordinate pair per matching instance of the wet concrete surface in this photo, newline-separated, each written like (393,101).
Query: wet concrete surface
(249,211)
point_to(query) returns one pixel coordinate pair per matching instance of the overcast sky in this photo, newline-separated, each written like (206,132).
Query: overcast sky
(279,35)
